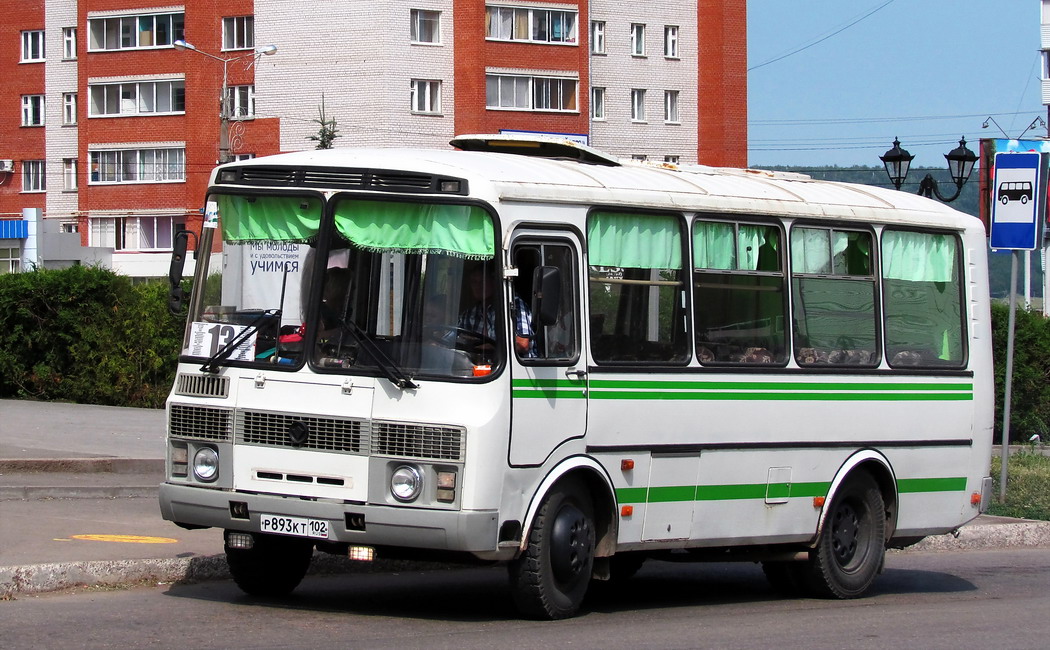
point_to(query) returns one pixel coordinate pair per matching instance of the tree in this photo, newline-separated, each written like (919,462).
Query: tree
(327,132)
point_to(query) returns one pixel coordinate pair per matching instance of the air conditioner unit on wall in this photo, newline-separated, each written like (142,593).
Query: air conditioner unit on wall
(7,166)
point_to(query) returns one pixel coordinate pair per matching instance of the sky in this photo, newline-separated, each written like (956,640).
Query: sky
(833,82)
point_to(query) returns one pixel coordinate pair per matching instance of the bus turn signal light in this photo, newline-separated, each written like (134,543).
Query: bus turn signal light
(818,502)
(626,464)
(975,499)
(626,511)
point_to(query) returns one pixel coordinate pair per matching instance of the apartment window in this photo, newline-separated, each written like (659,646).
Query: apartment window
(238,33)
(528,24)
(637,105)
(135,31)
(639,157)
(426,96)
(241,102)
(137,166)
(33,45)
(530,93)
(69,108)
(671,106)
(597,37)
(131,233)
(10,260)
(637,39)
(32,110)
(137,98)
(33,177)
(673,160)
(69,43)
(597,104)
(69,174)
(426,26)
(671,41)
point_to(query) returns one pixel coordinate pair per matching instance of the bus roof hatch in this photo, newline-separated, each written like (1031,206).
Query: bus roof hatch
(534,145)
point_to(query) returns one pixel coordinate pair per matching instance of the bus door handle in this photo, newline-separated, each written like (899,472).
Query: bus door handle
(578,375)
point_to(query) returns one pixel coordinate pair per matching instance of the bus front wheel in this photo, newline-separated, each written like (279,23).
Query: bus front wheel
(550,578)
(273,566)
(852,545)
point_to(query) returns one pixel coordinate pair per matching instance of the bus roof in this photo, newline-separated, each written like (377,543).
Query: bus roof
(502,177)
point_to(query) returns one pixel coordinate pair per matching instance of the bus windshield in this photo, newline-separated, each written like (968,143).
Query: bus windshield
(395,288)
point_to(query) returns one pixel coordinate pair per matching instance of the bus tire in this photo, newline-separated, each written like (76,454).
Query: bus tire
(852,544)
(1004,199)
(550,578)
(274,566)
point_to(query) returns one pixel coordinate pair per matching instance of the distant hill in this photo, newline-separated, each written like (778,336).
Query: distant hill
(998,263)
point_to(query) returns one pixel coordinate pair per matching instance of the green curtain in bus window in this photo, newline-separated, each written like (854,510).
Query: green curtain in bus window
(634,241)
(919,257)
(757,248)
(276,218)
(810,249)
(459,230)
(713,246)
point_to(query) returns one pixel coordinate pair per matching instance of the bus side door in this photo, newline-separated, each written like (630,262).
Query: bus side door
(549,378)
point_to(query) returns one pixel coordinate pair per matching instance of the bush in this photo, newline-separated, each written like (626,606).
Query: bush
(1030,409)
(86,335)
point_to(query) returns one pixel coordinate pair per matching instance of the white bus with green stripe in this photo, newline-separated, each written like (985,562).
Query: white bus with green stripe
(524,351)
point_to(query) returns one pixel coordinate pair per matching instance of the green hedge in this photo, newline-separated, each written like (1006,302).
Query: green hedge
(86,335)
(89,335)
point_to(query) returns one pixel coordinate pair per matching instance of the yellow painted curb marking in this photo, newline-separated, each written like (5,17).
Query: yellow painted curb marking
(127,539)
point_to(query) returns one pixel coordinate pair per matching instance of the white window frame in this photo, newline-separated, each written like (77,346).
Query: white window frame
(132,233)
(638,105)
(531,93)
(34,176)
(672,160)
(597,37)
(33,46)
(238,33)
(671,115)
(131,98)
(637,39)
(136,166)
(426,96)
(69,174)
(69,109)
(530,18)
(69,43)
(113,33)
(598,104)
(419,19)
(241,100)
(34,110)
(10,259)
(671,41)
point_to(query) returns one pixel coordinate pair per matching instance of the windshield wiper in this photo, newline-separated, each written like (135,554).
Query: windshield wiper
(389,368)
(223,353)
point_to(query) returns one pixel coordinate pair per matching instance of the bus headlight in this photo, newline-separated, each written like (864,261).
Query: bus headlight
(206,464)
(406,483)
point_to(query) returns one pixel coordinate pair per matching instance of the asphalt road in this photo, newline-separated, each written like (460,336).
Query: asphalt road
(972,599)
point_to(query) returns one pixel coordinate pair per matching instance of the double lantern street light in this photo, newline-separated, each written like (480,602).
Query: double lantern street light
(960,165)
(224,100)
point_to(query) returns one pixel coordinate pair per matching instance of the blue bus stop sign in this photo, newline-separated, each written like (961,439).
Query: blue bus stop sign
(1015,192)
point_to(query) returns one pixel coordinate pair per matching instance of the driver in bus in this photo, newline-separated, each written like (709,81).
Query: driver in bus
(481,317)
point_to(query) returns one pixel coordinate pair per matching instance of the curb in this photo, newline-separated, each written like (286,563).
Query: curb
(37,492)
(83,465)
(1017,533)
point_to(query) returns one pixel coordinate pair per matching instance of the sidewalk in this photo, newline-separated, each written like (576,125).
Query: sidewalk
(78,505)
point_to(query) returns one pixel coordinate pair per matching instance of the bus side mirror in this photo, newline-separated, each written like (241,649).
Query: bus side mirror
(176,295)
(546,294)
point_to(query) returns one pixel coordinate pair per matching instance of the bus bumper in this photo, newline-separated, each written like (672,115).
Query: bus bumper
(473,531)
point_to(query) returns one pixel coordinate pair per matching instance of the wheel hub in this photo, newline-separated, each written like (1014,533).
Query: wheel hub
(845,526)
(571,538)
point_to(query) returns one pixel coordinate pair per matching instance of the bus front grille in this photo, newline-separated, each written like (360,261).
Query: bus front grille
(421,441)
(320,433)
(202,386)
(199,422)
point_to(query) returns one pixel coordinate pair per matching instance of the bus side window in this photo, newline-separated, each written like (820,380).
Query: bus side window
(556,340)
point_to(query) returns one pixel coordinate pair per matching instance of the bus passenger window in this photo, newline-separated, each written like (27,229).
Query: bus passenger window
(833,291)
(738,283)
(923,299)
(637,291)
(551,341)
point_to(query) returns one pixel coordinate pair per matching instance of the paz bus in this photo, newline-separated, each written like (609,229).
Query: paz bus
(719,364)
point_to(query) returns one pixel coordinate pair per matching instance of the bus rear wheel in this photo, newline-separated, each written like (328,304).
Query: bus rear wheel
(550,578)
(273,566)
(852,545)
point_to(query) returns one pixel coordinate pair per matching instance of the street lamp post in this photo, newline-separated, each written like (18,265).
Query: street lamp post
(224,99)
(960,165)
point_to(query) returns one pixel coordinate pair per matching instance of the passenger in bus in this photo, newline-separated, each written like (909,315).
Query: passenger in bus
(480,318)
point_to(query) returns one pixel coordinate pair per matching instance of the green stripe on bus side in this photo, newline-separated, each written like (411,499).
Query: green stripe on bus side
(784,397)
(549,393)
(777,385)
(683,493)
